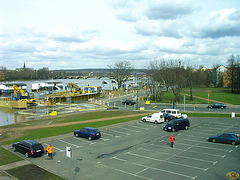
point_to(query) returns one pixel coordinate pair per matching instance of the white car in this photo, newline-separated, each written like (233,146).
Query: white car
(175,113)
(155,118)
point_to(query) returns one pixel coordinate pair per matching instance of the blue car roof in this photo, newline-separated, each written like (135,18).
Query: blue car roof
(89,128)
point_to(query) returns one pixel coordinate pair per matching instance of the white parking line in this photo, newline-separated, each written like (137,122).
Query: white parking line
(70,143)
(139,127)
(170,172)
(207,142)
(199,133)
(103,133)
(142,177)
(115,157)
(206,147)
(80,139)
(148,125)
(119,132)
(172,155)
(222,156)
(129,129)
(192,136)
(169,162)
(61,150)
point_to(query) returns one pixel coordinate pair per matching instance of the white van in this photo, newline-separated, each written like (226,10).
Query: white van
(174,112)
(156,118)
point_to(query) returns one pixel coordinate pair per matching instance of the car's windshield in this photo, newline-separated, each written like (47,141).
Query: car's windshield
(172,122)
(37,146)
(237,135)
(96,131)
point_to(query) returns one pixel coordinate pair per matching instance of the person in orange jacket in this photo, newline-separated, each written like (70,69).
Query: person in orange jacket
(172,139)
(50,151)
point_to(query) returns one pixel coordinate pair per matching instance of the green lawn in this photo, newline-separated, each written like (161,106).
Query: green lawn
(32,171)
(216,94)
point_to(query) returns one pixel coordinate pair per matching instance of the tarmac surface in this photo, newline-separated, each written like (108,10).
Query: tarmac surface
(140,150)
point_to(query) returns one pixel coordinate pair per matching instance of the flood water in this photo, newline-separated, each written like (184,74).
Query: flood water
(11,116)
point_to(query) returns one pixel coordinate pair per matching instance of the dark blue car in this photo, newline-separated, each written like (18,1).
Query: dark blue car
(177,124)
(230,138)
(88,132)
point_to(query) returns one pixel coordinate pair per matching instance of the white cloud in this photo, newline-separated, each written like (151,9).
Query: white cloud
(82,34)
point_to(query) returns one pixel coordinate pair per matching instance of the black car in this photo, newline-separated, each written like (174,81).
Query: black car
(168,117)
(129,102)
(217,105)
(29,148)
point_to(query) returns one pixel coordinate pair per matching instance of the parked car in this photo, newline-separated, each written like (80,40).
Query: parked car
(168,117)
(231,138)
(156,118)
(177,124)
(217,105)
(129,102)
(28,148)
(174,112)
(88,132)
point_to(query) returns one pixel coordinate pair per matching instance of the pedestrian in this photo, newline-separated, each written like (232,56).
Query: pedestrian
(172,139)
(50,151)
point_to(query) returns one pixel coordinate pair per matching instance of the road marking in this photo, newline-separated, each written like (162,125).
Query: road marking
(139,127)
(119,132)
(190,151)
(170,172)
(115,157)
(205,147)
(125,172)
(80,139)
(148,125)
(159,152)
(107,134)
(193,136)
(70,143)
(142,170)
(61,150)
(129,129)
(169,162)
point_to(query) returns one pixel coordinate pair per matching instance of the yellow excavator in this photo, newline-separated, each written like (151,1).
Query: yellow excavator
(76,88)
(19,94)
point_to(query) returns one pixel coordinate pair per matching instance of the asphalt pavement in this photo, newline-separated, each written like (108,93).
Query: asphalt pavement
(140,150)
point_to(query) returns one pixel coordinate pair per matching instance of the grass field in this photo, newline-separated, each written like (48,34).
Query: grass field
(30,171)
(215,94)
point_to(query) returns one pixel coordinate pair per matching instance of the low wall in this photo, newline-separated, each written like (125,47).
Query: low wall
(13,104)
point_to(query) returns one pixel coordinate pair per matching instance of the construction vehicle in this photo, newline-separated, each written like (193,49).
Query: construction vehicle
(76,88)
(20,95)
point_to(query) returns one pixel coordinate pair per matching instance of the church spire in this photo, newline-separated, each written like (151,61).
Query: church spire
(24,66)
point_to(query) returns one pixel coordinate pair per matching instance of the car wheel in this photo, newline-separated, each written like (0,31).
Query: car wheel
(211,107)
(26,155)
(14,148)
(222,107)
(76,135)
(144,120)
(173,130)
(233,143)
(214,140)
(89,138)
(155,122)
(186,127)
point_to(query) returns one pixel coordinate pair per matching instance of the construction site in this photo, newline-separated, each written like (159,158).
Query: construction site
(22,100)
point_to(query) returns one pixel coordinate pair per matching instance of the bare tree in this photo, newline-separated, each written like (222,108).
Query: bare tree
(121,70)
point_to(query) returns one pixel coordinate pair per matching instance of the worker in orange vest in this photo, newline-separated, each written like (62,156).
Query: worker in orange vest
(172,139)
(50,151)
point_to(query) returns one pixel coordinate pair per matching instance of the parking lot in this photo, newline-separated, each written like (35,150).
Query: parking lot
(140,150)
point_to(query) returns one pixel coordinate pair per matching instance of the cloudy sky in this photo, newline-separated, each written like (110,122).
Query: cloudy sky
(78,34)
